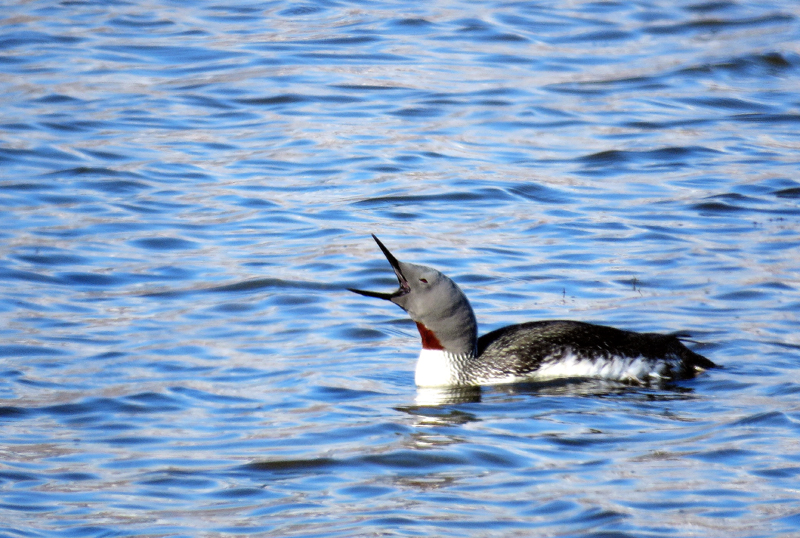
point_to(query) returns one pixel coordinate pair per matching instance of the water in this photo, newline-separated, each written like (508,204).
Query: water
(187,189)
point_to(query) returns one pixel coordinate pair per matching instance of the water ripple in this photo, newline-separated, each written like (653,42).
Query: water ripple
(189,189)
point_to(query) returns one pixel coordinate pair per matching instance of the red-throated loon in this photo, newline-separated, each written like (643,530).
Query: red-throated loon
(452,354)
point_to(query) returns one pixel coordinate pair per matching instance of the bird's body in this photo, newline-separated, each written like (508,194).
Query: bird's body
(452,354)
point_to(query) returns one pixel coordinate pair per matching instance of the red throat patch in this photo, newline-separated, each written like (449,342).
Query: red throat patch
(429,340)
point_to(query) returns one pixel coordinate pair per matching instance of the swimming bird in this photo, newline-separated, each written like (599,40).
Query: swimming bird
(453,356)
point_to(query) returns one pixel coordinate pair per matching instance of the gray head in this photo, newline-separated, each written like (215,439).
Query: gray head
(441,310)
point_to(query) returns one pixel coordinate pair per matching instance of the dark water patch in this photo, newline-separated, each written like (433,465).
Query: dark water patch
(72,126)
(80,171)
(234,308)
(518,125)
(785,389)
(734,197)
(764,419)
(250,286)
(415,23)
(154,402)
(540,193)
(728,103)
(207,102)
(54,259)
(108,355)
(726,456)
(780,286)
(13,412)
(16,350)
(708,25)
(743,295)
(28,508)
(596,36)
(33,155)
(243,493)
(671,155)
(769,63)
(57,99)
(83,202)
(478,30)
(291,466)
(595,516)
(74,477)
(708,7)
(779,472)
(44,384)
(25,186)
(140,21)
(92,280)
(605,158)
(417,112)
(144,209)
(404,461)
(484,195)
(257,203)
(339,394)
(117,186)
(276,100)
(18,476)
(176,482)
(716,208)
(219,146)
(495,458)
(131,441)
(164,243)
(301,10)
(793,192)
(319,172)
(274,283)
(666,125)
(357,334)
(100,408)
(370,87)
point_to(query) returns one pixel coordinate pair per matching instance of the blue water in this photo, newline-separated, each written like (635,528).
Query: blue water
(187,188)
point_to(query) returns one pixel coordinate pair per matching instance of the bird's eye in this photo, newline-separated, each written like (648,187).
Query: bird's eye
(424,281)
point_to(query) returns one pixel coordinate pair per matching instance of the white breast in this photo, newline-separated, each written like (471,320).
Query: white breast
(436,368)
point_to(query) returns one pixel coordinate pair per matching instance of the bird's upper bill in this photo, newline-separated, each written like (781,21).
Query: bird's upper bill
(404,287)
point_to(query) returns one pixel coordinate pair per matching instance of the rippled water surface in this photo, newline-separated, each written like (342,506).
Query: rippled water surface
(187,188)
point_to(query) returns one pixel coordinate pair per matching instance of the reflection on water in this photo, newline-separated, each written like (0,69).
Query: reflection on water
(433,396)
(444,396)
(185,193)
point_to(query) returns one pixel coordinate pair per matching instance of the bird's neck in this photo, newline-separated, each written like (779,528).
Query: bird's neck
(461,340)
(429,339)
(444,358)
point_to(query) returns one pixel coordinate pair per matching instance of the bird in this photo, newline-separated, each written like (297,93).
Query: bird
(453,355)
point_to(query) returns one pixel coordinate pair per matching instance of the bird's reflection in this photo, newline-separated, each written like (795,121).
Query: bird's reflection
(446,396)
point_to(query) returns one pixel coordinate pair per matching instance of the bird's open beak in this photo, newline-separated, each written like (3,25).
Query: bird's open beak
(402,290)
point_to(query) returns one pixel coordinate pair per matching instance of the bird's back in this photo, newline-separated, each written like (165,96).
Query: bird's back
(560,348)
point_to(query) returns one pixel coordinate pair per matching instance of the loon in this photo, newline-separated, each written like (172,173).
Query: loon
(453,356)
